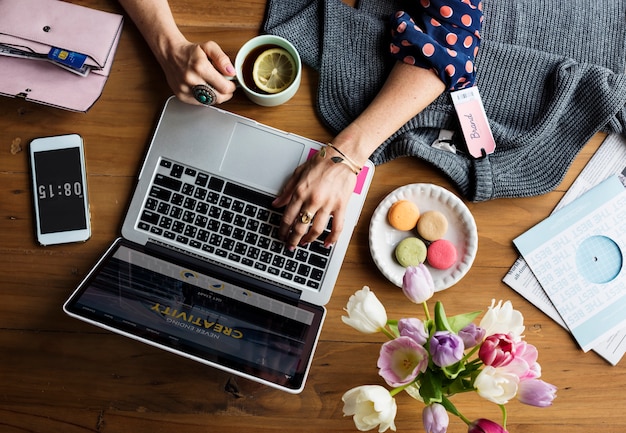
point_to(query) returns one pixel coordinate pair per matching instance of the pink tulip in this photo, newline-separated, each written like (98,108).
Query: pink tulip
(525,363)
(485,426)
(497,350)
(401,360)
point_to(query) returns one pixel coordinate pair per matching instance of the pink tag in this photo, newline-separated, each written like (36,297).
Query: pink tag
(474,124)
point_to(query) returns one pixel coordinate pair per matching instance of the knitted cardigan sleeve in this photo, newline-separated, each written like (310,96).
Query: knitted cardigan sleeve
(443,35)
(550,79)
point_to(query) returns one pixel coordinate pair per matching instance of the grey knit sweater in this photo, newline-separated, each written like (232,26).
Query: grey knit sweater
(550,78)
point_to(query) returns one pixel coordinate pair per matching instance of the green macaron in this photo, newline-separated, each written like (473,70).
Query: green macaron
(410,252)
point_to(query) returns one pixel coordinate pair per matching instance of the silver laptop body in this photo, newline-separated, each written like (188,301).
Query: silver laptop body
(199,270)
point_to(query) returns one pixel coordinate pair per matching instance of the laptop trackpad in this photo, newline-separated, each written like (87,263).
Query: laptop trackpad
(261,158)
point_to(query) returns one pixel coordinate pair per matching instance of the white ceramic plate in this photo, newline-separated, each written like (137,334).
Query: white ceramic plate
(461,232)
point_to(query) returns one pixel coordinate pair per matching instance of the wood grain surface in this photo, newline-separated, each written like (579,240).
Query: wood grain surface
(61,375)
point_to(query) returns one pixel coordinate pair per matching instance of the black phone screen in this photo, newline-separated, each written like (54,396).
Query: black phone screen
(59,190)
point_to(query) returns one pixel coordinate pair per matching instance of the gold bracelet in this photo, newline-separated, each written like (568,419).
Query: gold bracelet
(346,157)
(339,160)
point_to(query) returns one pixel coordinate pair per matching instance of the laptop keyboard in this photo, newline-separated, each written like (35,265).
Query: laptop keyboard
(229,222)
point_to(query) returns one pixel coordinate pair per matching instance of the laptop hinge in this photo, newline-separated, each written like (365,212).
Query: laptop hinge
(224,272)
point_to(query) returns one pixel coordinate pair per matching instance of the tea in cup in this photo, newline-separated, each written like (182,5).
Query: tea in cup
(269,70)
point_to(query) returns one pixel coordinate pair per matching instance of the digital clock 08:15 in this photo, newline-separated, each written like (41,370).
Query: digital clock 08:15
(67,189)
(60,189)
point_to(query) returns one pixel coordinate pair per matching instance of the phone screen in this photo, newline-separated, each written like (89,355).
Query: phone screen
(60,190)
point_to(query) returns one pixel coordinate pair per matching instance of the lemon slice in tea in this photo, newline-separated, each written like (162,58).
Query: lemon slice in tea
(274,70)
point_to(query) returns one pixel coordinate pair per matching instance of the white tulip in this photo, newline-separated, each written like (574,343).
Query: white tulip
(365,312)
(496,384)
(503,319)
(370,406)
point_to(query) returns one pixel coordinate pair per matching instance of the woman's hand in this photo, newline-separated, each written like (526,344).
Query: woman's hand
(191,64)
(320,189)
(186,64)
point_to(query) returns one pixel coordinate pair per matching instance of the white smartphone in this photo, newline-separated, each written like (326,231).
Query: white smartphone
(60,189)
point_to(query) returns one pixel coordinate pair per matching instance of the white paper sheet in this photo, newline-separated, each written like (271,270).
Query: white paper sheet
(609,160)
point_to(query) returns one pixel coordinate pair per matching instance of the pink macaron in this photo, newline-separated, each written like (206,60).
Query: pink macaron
(441,254)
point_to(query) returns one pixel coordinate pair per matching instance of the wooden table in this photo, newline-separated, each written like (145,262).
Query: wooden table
(60,375)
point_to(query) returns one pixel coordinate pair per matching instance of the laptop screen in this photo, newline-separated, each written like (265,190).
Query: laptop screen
(228,325)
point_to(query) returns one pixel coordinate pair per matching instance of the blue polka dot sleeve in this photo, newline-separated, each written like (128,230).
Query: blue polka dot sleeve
(443,36)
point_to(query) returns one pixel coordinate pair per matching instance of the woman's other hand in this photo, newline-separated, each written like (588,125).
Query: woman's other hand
(317,190)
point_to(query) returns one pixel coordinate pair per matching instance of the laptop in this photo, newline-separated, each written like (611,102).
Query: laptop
(198,269)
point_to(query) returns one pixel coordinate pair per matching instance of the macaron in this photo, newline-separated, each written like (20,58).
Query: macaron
(441,254)
(410,251)
(432,225)
(403,215)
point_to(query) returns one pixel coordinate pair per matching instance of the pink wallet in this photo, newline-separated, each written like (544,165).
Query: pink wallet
(42,27)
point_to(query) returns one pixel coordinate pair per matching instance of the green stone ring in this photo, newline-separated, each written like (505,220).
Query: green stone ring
(204,94)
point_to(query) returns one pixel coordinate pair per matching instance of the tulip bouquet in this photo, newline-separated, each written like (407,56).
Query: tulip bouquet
(435,358)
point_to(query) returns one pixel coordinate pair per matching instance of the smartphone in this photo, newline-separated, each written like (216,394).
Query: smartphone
(60,189)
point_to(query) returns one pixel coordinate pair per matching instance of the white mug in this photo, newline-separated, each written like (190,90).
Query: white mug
(268,99)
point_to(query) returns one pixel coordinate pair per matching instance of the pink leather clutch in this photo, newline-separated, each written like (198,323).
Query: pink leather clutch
(41,27)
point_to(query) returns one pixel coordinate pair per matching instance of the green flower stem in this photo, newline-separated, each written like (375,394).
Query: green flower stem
(470,353)
(464,419)
(504,415)
(426,313)
(450,407)
(387,333)
(395,391)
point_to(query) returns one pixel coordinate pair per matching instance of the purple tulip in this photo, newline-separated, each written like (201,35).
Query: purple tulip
(418,284)
(536,392)
(435,418)
(413,328)
(472,335)
(446,348)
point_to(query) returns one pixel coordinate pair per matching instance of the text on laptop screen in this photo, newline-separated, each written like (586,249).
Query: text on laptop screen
(196,315)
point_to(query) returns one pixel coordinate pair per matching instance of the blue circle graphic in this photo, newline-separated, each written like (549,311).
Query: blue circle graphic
(599,259)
